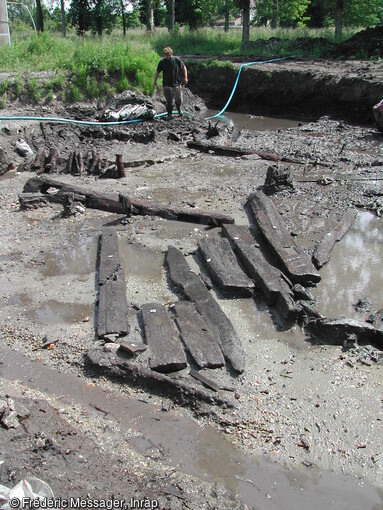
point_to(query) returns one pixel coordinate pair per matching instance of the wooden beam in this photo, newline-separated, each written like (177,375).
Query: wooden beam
(195,290)
(272,283)
(197,336)
(163,339)
(292,258)
(222,264)
(113,203)
(323,250)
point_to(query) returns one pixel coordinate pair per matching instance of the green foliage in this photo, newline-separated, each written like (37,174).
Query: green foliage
(291,13)
(3,100)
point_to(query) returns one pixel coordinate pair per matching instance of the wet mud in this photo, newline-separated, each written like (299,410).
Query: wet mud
(306,424)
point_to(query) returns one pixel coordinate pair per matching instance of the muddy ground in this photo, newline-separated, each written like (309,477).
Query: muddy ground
(310,407)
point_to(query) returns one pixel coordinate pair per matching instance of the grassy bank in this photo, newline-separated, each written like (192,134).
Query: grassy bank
(48,66)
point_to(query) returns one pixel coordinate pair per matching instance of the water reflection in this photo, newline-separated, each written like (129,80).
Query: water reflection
(252,122)
(54,312)
(354,270)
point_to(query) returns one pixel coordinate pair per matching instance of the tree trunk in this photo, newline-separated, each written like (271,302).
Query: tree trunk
(39,17)
(63,23)
(171,16)
(149,15)
(123,18)
(246,23)
(274,22)
(339,20)
(227,15)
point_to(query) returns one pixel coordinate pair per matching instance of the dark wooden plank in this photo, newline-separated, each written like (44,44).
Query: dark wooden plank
(109,256)
(204,380)
(195,290)
(112,311)
(197,336)
(323,250)
(222,263)
(268,279)
(112,308)
(113,203)
(293,259)
(163,339)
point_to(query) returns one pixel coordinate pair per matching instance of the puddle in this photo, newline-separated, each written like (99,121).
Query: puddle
(78,256)
(138,261)
(55,312)
(354,270)
(181,442)
(252,122)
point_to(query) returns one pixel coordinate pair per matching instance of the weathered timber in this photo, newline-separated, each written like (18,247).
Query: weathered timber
(223,265)
(198,336)
(39,161)
(133,348)
(195,290)
(51,161)
(181,389)
(112,203)
(32,200)
(338,331)
(224,150)
(204,380)
(268,279)
(112,307)
(109,256)
(163,339)
(112,310)
(293,259)
(120,165)
(322,251)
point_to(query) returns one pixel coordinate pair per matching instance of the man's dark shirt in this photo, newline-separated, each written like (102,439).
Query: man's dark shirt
(173,71)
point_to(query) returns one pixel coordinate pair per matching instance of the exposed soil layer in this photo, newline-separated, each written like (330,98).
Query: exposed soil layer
(305,404)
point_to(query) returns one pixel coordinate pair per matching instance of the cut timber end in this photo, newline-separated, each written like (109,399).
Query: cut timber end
(294,260)
(163,339)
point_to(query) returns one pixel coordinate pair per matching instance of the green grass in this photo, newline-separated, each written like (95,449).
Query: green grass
(92,67)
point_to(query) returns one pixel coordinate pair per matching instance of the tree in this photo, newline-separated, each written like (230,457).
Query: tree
(79,15)
(171,15)
(123,18)
(286,13)
(339,19)
(149,15)
(63,23)
(39,17)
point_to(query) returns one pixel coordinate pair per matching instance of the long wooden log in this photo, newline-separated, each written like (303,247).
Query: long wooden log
(268,279)
(112,203)
(182,389)
(163,339)
(112,309)
(293,259)
(207,306)
(222,264)
(224,150)
(197,335)
(323,250)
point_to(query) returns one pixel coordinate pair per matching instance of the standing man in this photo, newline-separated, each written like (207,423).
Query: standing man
(174,76)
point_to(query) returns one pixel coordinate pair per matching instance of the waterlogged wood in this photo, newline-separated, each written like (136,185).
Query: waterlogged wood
(195,290)
(109,256)
(293,259)
(222,263)
(112,308)
(112,311)
(198,336)
(181,389)
(224,150)
(268,279)
(163,339)
(113,203)
(322,252)
(204,380)
(339,330)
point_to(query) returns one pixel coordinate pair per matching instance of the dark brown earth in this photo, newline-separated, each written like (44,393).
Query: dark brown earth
(339,165)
